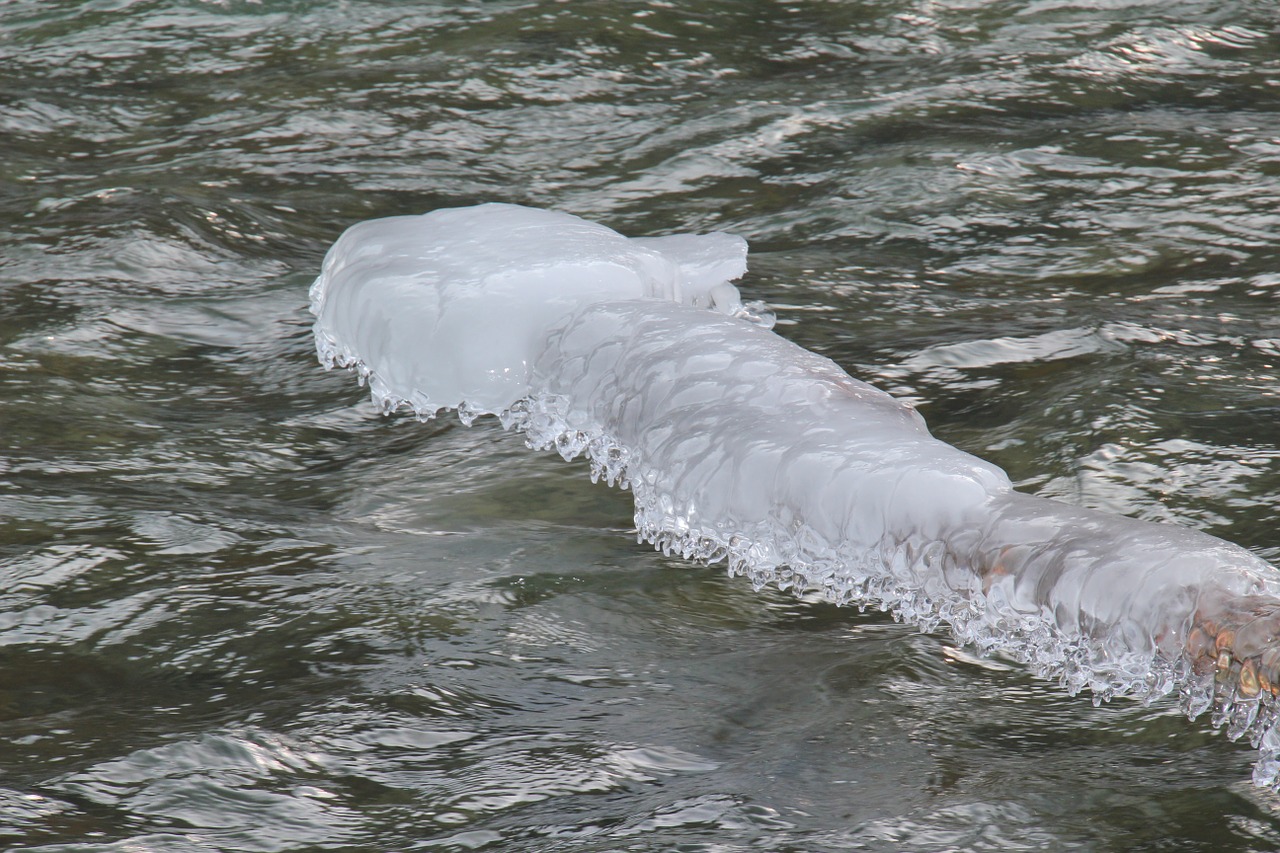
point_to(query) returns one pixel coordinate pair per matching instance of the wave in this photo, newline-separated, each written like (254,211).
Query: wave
(740,446)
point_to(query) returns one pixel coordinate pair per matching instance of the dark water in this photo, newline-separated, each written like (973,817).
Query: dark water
(241,611)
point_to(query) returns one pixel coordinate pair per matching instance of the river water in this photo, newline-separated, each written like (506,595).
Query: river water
(241,610)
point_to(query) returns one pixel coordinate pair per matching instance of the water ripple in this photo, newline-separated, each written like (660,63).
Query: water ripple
(239,610)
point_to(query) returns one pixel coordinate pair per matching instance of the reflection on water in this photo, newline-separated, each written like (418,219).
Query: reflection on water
(241,611)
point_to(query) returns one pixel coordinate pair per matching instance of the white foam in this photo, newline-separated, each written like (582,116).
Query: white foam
(741,446)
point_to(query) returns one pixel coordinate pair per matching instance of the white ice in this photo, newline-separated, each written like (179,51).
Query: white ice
(452,306)
(739,445)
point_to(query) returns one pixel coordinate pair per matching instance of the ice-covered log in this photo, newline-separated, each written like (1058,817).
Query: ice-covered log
(741,446)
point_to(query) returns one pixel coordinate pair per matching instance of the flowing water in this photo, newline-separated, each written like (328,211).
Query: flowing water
(241,610)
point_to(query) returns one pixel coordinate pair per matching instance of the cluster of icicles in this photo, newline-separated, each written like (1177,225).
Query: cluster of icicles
(639,355)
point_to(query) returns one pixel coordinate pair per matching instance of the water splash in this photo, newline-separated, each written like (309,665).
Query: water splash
(739,446)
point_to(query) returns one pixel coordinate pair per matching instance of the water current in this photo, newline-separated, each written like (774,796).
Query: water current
(242,610)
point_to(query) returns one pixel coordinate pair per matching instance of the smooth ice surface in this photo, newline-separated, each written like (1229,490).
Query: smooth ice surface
(741,446)
(449,307)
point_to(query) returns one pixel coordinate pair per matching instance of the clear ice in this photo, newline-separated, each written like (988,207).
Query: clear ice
(740,446)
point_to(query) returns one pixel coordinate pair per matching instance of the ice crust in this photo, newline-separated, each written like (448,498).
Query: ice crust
(447,310)
(738,445)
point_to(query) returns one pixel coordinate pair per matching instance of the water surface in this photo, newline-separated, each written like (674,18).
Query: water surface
(241,610)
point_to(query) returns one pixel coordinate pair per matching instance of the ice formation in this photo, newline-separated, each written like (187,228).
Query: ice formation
(739,445)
